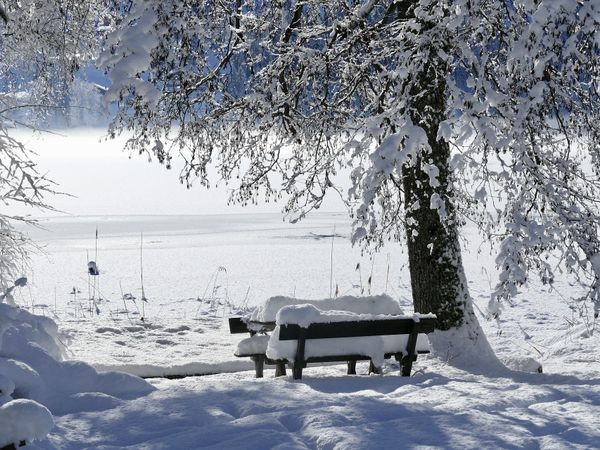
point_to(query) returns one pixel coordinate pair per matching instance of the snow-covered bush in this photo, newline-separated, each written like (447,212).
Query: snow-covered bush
(35,381)
(523,364)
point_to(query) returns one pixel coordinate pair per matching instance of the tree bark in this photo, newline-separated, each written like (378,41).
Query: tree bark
(437,275)
(436,271)
(433,246)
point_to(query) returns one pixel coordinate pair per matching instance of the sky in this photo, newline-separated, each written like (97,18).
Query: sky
(101,179)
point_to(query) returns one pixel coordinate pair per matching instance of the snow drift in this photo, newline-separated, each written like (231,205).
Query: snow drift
(35,381)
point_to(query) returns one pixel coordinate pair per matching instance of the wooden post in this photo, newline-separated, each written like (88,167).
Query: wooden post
(411,354)
(280,369)
(259,364)
(352,367)
(299,362)
(297,372)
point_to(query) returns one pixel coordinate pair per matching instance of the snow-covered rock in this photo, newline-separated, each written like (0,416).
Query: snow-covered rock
(23,420)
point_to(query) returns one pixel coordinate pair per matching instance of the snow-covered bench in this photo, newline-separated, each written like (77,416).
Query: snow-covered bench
(262,321)
(255,347)
(306,335)
(303,333)
(373,304)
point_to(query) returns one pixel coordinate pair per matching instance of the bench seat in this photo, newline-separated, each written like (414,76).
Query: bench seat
(257,344)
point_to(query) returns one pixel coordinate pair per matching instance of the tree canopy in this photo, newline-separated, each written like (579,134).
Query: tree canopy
(304,89)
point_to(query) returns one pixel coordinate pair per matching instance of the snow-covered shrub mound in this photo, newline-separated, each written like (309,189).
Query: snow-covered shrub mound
(23,420)
(20,326)
(35,380)
(523,364)
(375,304)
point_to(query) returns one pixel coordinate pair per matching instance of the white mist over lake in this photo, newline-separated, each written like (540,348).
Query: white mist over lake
(102,179)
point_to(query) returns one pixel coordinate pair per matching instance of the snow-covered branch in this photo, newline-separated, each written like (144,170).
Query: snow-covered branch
(300,90)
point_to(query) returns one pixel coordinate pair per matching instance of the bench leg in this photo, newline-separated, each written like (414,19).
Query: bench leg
(297,371)
(352,367)
(407,364)
(280,369)
(374,369)
(299,361)
(411,354)
(259,364)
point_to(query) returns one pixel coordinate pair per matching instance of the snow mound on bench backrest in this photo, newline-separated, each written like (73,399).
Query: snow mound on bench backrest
(32,367)
(306,314)
(375,304)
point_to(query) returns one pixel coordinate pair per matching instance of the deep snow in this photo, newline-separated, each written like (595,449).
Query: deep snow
(198,270)
(439,407)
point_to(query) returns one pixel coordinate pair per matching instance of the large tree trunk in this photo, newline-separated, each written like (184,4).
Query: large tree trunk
(433,247)
(437,276)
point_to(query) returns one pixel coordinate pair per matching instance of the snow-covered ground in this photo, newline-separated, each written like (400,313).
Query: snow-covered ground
(200,269)
(439,407)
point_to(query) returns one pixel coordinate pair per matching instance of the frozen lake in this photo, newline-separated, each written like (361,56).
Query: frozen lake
(253,256)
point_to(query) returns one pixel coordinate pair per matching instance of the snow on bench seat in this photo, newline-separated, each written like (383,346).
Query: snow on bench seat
(254,345)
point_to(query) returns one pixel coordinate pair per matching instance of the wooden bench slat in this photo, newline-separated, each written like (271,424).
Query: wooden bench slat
(357,329)
(237,326)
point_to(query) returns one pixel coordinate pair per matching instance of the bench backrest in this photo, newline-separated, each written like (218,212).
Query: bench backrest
(237,326)
(356,329)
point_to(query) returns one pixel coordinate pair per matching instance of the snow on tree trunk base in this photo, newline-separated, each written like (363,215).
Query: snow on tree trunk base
(466,347)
